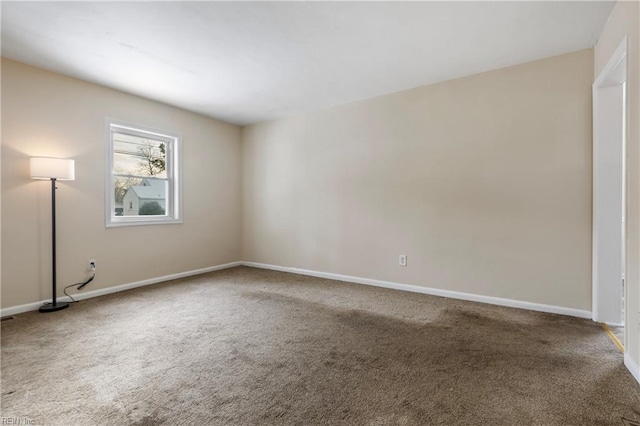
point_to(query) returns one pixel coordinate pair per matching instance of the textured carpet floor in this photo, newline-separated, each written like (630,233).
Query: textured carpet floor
(247,346)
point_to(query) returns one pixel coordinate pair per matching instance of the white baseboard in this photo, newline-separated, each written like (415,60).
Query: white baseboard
(632,366)
(347,278)
(431,291)
(108,290)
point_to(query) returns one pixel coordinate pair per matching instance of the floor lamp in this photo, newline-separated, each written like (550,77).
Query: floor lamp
(54,169)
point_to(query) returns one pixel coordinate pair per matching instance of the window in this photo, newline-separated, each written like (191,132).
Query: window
(143,176)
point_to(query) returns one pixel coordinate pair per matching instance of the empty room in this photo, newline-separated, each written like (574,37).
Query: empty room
(320,213)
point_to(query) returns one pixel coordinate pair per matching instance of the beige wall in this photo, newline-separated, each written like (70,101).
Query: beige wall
(46,114)
(625,20)
(484,182)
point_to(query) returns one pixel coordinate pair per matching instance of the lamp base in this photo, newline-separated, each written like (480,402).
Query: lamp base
(49,307)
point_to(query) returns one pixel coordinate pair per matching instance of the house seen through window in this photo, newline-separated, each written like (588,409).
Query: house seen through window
(143,181)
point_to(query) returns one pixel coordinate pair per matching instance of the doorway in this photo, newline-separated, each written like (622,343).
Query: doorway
(609,190)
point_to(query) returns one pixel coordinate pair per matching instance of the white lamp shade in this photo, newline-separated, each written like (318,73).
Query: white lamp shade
(48,168)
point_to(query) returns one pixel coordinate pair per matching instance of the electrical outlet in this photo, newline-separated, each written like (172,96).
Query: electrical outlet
(92,265)
(402,260)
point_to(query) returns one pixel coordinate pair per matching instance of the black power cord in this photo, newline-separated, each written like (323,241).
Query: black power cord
(80,287)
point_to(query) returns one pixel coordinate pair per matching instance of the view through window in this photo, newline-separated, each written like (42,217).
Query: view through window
(143,178)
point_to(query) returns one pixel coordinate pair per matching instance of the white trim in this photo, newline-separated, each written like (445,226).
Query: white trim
(431,291)
(174,202)
(632,366)
(619,55)
(108,290)
(328,275)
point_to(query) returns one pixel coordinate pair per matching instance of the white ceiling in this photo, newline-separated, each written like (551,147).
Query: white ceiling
(246,62)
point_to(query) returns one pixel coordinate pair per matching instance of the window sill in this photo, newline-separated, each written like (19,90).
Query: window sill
(131,221)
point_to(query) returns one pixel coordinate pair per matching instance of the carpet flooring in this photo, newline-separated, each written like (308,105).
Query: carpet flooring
(246,346)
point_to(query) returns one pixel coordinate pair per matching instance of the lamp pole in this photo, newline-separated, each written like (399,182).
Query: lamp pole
(54,306)
(54,169)
(53,238)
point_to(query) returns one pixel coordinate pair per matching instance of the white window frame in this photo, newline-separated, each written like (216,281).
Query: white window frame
(173,168)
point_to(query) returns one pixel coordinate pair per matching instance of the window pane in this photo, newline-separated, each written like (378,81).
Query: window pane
(135,155)
(140,197)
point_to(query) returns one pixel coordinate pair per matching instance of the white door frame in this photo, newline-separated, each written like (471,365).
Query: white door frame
(609,248)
